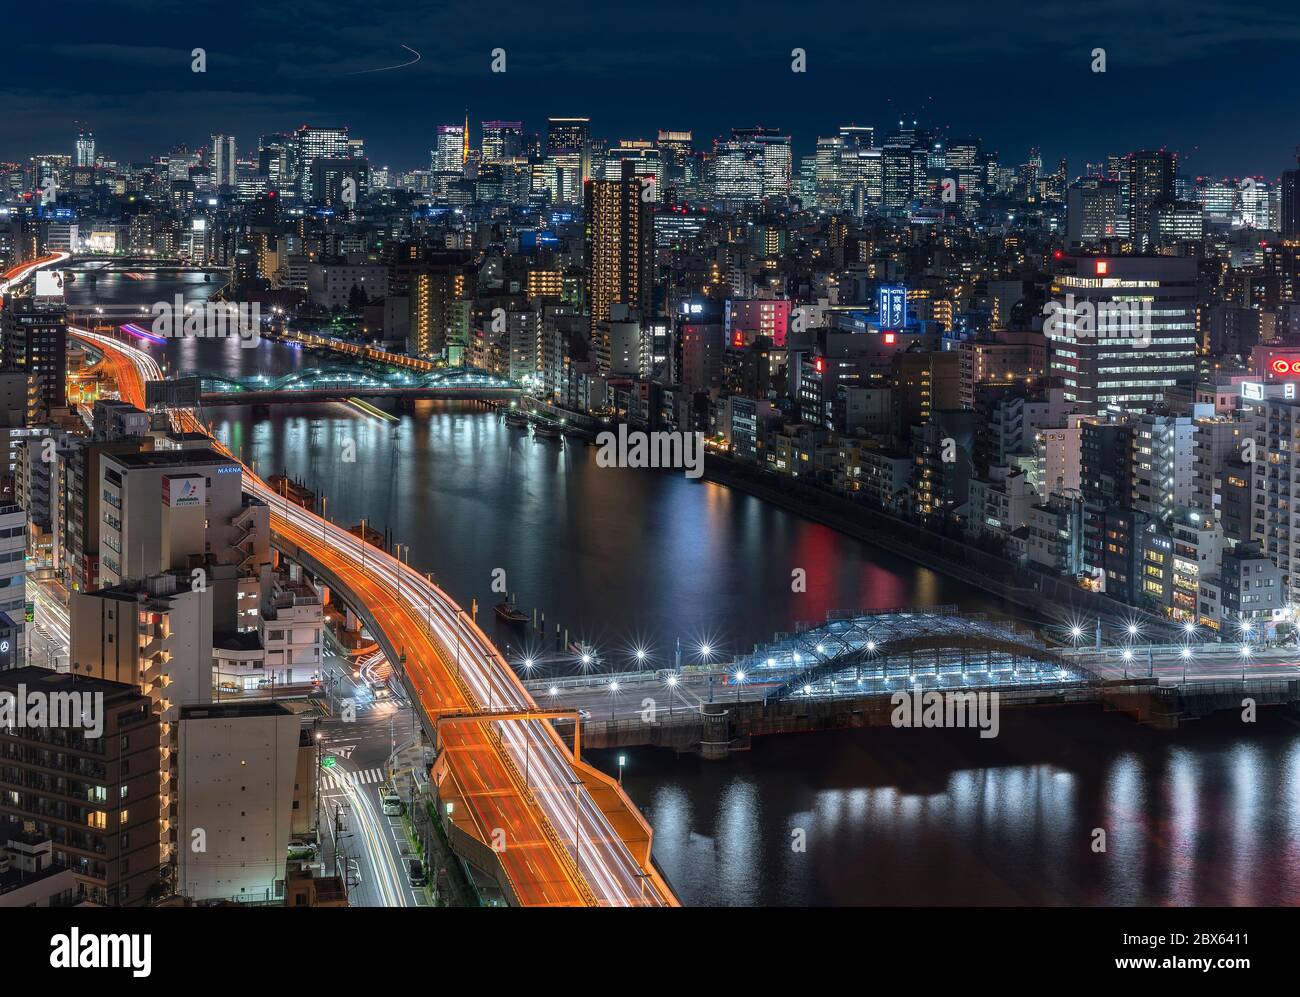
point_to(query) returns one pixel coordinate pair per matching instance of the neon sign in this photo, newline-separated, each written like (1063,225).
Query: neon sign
(1283,367)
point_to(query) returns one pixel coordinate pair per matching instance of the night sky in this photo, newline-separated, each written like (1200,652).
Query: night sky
(1214,80)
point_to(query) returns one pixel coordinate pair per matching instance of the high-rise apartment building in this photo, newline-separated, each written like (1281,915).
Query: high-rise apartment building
(35,343)
(618,248)
(94,798)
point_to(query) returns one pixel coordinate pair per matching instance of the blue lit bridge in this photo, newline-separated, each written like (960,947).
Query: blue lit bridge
(854,655)
(844,672)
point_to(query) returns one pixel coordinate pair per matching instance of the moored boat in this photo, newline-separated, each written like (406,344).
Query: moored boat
(507,613)
(545,429)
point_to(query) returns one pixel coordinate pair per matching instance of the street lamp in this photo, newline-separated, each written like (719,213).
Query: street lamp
(613,690)
(672,686)
(740,680)
(622,760)
(1128,656)
(1187,656)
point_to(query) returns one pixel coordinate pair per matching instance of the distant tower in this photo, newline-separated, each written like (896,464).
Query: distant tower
(85,148)
(464,152)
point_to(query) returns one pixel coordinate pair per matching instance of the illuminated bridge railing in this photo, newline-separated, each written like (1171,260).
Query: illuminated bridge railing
(331,378)
(886,652)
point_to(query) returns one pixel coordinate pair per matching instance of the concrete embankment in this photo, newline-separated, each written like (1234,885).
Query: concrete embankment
(1047,596)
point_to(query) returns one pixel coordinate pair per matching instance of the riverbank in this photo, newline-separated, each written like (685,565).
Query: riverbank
(1045,595)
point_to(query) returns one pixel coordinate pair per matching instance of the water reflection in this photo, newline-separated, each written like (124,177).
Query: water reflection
(891,817)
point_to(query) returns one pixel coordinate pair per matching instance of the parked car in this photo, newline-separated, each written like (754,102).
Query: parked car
(415,873)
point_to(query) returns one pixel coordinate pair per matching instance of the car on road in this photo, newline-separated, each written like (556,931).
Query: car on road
(584,714)
(415,873)
(390,802)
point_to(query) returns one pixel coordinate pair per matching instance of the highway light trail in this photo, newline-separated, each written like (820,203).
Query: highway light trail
(603,871)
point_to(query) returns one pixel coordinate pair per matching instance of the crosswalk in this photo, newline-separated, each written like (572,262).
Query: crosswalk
(339,779)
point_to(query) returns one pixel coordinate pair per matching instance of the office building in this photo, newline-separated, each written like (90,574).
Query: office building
(1122,330)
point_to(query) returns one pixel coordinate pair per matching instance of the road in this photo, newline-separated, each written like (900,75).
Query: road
(51,629)
(1202,662)
(16,276)
(452,667)
(375,846)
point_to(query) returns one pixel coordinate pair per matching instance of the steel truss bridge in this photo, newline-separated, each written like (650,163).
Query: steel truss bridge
(884,652)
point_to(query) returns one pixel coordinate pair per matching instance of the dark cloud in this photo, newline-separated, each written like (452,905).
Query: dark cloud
(1182,73)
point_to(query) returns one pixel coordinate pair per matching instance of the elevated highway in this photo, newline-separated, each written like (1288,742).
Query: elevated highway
(561,833)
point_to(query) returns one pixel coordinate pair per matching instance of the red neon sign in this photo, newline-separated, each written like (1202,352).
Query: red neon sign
(1283,367)
(1102,267)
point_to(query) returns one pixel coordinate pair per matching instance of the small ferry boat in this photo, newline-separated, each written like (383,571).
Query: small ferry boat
(507,613)
(516,418)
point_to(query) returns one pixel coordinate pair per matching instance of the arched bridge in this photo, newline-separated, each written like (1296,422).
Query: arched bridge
(335,381)
(885,652)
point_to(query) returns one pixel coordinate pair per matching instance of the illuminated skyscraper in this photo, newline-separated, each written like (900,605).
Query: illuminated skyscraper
(502,140)
(568,148)
(777,163)
(85,149)
(275,160)
(896,176)
(1151,180)
(448,154)
(318,143)
(645,159)
(223,160)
